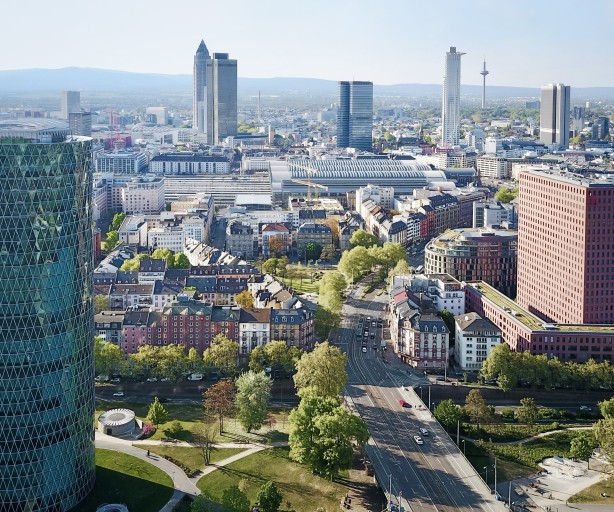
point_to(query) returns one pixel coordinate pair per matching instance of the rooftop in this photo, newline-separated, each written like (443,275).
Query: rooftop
(581,180)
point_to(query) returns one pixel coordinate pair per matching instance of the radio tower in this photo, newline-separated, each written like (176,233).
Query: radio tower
(484,73)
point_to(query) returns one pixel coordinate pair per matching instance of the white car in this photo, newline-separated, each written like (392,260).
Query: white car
(119,393)
(152,379)
(423,431)
(364,350)
(418,440)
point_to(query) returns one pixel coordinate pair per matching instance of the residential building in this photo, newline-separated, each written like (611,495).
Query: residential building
(151,270)
(124,296)
(474,339)
(254,329)
(321,234)
(80,123)
(108,326)
(221,97)
(71,102)
(424,342)
(468,254)
(143,196)
(489,214)
(554,115)
(494,167)
(47,328)
(225,321)
(355,116)
(565,249)
(383,196)
(199,107)
(186,162)
(450,109)
(275,239)
(442,212)
(121,162)
(137,328)
(294,326)
(240,240)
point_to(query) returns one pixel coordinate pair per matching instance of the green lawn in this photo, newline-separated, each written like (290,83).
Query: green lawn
(121,478)
(190,457)
(507,432)
(506,469)
(304,491)
(592,494)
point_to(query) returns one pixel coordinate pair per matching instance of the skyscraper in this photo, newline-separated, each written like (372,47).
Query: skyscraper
(554,115)
(71,102)
(355,115)
(565,249)
(199,107)
(450,108)
(578,119)
(80,123)
(46,319)
(221,97)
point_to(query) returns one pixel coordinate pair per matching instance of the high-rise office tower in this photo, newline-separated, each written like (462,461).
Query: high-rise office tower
(450,108)
(46,319)
(565,249)
(199,106)
(601,128)
(554,115)
(355,115)
(71,102)
(578,119)
(484,73)
(80,123)
(221,97)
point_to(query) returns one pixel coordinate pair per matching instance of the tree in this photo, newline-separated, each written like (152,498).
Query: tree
(322,433)
(200,504)
(505,195)
(181,261)
(355,262)
(118,218)
(108,357)
(323,370)
(606,407)
(164,254)
(269,497)
(400,269)
(195,362)
(245,299)
(233,500)
(388,255)
(312,251)
(134,263)
(448,319)
(258,359)
(278,353)
(528,412)
(276,245)
(101,303)
(502,364)
(603,431)
(334,227)
(203,438)
(270,266)
(111,240)
(172,362)
(328,252)
(582,446)
(476,408)
(222,354)
(448,413)
(157,413)
(252,399)
(325,320)
(219,401)
(363,239)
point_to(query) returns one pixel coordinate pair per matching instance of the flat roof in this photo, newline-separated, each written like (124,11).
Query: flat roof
(581,180)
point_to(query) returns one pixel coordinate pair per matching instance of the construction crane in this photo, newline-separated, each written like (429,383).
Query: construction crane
(308,184)
(309,171)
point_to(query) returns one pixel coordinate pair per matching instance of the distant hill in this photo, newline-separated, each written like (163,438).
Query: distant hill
(98,80)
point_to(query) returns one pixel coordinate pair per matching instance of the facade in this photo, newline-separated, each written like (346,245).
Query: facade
(279,235)
(186,162)
(600,128)
(71,102)
(489,255)
(143,196)
(424,342)
(80,123)
(47,371)
(494,167)
(122,162)
(160,113)
(565,249)
(108,325)
(294,326)
(355,116)
(554,115)
(254,329)
(221,98)
(475,337)
(450,109)
(578,119)
(321,234)
(240,239)
(199,105)
(488,214)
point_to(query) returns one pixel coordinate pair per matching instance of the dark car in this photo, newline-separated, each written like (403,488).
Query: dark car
(403,403)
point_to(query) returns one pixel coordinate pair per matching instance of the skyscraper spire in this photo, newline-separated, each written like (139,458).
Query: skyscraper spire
(484,73)
(199,116)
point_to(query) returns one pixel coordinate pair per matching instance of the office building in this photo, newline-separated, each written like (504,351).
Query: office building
(46,320)
(71,102)
(143,195)
(160,113)
(355,116)
(199,105)
(450,108)
(601,128)
(221,113)
(565,247)
(578,119)
(80,123)
(554,115)
(187,162)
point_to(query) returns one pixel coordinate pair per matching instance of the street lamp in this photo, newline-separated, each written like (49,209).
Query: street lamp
(420,388)
(463,441)
(485,468)
(495,466)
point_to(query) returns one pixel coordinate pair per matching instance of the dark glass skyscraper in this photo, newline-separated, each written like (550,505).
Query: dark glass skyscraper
(199,108)
(355,116)
(221,97)
(46,318)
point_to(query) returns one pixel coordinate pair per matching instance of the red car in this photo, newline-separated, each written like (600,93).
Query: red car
(403,403)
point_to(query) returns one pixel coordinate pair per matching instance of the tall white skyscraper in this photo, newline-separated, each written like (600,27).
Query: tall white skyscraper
(450,108)
(554,115)
(199,109)
(71,102)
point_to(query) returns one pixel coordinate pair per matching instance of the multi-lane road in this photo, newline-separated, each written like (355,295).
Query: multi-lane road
(429,477)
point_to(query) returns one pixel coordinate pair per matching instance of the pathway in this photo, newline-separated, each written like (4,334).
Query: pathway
(532,438)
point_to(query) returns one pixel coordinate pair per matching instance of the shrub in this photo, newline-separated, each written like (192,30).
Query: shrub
(148,430)
(508,414)
(546,413)
(175,428)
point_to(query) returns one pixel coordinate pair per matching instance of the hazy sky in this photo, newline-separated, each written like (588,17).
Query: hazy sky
(525,42)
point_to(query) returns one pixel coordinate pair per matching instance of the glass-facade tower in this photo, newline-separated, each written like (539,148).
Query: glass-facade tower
(46,317)
(199,107)
(450,107)
(221,98)
(355,116)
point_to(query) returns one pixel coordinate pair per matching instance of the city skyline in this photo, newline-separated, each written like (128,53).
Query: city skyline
(373,47)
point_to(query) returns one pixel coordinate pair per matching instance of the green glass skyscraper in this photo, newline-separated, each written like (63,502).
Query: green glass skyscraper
(46,319)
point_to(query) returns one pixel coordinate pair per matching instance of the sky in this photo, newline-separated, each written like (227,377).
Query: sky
(525,42)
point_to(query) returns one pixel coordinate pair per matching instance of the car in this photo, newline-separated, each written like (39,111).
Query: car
(115,380)
(418,440)
(373,324)
(372,335)
(368,319)
(164,379)
(364,349)
(423,431)
(152,379)
(585,408)
(118,393)
(405,404)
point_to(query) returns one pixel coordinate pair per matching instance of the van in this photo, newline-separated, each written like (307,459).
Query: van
(419,269)
(196,376)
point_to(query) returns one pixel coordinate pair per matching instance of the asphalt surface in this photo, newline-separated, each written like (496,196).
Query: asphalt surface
(429,477)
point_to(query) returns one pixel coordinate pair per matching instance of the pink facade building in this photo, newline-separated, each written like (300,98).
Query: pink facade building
(566,247)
